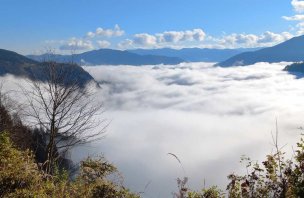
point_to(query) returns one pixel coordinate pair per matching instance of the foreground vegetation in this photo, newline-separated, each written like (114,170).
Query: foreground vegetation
(20,176)
(276,177)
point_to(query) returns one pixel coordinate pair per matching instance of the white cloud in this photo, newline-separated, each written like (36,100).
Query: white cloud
(90,35)
(300,28)
(145,39)
(198,38)
(125,44)
(182,39)
(170,37)
(251,40)
(116,32)
(299,8)
(191,109)
(298,5)
(167,38)
(298,17)
(196,34)
(270,37)
(77,44)
(89,41)
(247,39)
(103,44)
(178,36)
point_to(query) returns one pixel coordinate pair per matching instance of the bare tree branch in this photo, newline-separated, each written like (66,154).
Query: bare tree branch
(65,109)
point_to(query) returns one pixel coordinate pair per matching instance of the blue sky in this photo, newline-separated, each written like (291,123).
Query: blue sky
(31,26)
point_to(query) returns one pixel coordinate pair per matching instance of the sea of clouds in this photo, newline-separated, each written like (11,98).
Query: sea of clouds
(208,116)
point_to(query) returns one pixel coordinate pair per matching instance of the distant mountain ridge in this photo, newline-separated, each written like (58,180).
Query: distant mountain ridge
(289,51)
(18,65)
(110,57)
(296,68)
(194,54)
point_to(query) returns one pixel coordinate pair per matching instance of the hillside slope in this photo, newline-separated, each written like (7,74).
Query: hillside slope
(289,51)
(18,65)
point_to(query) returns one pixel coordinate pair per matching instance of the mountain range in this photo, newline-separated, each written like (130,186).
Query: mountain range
(195,54)
(290,51)
(166,56)
(110,57)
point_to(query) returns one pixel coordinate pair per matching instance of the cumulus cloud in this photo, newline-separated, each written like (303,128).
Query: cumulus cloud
(251,40)
(170,36)
(270,37)
(298,5)
(246,39)
(89,41)
(191,109)
(77,44)
(145,39)
(300,28)
(167,38)
(125,44)
(178,36)
(90,35)
(179,39)
(116,32)
(103,44)
(299,8)
(198,38)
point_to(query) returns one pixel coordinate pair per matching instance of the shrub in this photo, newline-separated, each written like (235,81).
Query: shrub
(276,177)
(21,177)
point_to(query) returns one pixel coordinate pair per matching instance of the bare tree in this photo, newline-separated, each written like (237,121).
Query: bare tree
(65,108)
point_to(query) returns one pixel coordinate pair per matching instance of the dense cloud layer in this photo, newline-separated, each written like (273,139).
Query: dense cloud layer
(207,116)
